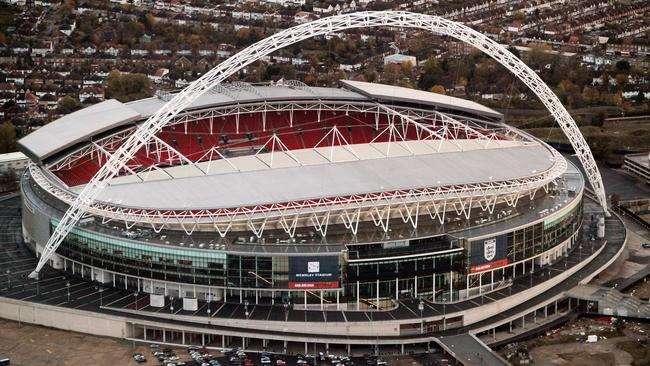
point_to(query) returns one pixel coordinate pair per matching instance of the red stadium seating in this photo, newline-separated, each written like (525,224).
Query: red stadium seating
(247,134)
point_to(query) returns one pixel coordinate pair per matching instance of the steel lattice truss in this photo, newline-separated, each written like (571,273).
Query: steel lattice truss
(442,127)
(338,23)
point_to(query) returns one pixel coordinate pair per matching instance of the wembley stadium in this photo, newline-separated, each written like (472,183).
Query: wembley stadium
(361,214)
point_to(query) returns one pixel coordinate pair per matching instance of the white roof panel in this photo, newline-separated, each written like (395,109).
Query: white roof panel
(76,127)
(263,186)
(397,93)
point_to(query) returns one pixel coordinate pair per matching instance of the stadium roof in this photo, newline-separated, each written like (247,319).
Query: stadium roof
(82,125)
(391,93)
(297,183)
(76,127)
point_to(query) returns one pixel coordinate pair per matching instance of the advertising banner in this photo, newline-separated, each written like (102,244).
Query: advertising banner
(314,272)
(488,254)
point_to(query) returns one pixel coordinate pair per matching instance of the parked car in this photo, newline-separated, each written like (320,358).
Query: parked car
(139,358)
(646,245)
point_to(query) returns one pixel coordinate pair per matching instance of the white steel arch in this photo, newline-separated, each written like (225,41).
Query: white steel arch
(146,131)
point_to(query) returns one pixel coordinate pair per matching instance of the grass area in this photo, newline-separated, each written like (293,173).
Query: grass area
(603,140)
(638,350)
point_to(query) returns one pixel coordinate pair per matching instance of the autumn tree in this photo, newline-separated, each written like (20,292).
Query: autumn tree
(7,138)
(68,104)
(431,74)
(439,89)
(127,87)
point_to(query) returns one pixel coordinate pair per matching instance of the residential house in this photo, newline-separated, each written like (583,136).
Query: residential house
(89,92)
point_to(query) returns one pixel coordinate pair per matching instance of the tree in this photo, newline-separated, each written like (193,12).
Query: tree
(598,119)
(623,66)
(431,75)
(622,80)
(311,80)
(7,138)
(68,104)
(439,89)
(127,87)
(639,98)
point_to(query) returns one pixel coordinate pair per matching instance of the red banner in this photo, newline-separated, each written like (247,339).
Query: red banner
(489,265)
(314,285)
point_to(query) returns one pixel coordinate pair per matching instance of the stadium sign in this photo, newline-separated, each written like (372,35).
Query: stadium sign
(488,254)
(313,272)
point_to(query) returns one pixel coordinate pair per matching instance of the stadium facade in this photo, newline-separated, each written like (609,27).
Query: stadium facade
(350,197)
(353,206)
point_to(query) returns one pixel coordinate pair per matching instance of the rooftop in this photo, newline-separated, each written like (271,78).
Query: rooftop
(228,188)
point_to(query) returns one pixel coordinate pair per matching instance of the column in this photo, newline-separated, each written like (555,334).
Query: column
(545,311)
(402,348)
(451,286)
(416,286)
(358,297)
(145,332)
(203,339)
(223,341)
(433,287)
(397,289)
(306,347)
(243,342)
(321,299)
(183,336)
(337,299)
(523,322)
(491,280)
(555,306)
(377,302)
(164,336)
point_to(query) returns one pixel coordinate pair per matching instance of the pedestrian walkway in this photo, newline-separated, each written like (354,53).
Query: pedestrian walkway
(609,301)
(470,350)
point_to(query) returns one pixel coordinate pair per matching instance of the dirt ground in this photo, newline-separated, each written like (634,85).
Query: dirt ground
(625,344)
(29,345)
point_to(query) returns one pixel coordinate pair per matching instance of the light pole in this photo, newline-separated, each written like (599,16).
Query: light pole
(171,304)
(67,285)
(286,311)
(101,297)
(135,294)
(8,272)
(246,308)
(421,308)
(209,298)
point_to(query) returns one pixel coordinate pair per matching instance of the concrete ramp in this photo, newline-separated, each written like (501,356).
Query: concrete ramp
(470,351)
